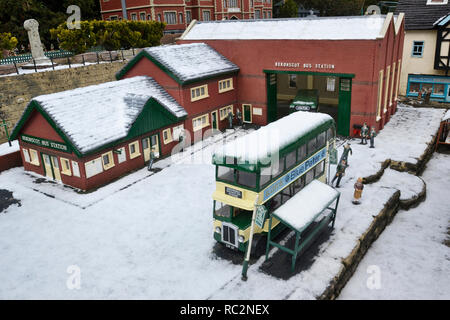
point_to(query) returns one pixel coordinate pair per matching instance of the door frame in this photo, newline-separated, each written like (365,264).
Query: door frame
(243,112)
(217,119)
(51,165)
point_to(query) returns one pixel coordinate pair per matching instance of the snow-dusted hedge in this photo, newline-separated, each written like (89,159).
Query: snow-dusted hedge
(111,35)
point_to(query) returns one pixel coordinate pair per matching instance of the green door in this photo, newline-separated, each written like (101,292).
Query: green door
(345,98)
(247,113)
(271,97)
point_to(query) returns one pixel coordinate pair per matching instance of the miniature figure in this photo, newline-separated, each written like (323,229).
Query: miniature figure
(359,186)
(230,120)
(181,139)
(340,172)
(372,136)
(152,159)
(239,117)
(364,133)
(344,156)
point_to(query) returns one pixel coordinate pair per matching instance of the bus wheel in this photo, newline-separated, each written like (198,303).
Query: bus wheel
(259,244)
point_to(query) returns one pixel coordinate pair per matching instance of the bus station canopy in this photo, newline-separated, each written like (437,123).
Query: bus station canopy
(301,209)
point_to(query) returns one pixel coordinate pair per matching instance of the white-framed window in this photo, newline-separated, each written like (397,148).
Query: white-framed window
(226,85)
(188,17)
(380,93)
(34,157)
(199,92)
(142,15)
(292,80)
(108,160)
(388,73)
(180,17)
(149,17)
(177,131)
(223,112)
(75,169)
(113,18)
(200,122)
(170,17)
(134,16)
(133,148)
(233,3)
(158,17)
(65,167)
(391,90)
(26,155)
(206,15)
(257,14)
(167,136)
(398,79)
(331,84)
(417,49)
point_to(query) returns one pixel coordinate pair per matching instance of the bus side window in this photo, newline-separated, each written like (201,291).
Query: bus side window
(321,140)
(301,153)
(330,134)
(264,177)
(319,169)
(309,176)
(291,159)
(278,167)
(312,146)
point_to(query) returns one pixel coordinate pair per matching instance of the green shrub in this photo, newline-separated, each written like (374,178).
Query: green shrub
(7,42)
(111,35)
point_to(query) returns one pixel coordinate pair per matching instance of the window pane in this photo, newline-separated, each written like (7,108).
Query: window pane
(309,176)
(247,179)
(312,146)
(438,89)
(264,178)
(222,210)
(106,159)
(320,168)
(225,173)
(291,159)
(321,140)
(301,151)
(414,87)
(426,86)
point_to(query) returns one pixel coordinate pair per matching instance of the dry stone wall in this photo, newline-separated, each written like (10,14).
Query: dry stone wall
(16,91)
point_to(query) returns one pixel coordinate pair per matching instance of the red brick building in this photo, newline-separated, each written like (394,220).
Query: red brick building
(177,14)
(90,136)
(353,63)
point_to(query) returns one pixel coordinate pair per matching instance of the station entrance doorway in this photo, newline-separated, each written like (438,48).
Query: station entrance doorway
(330,93)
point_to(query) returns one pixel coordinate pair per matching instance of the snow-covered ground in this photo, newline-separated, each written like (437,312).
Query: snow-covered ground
(410,260)
(150,235)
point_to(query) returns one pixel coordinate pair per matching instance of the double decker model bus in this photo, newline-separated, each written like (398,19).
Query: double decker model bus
(267,167)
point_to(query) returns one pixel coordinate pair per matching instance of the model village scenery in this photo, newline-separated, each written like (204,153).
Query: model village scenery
(234,150)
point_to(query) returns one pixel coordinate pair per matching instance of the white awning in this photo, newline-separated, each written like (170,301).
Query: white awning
(302,208)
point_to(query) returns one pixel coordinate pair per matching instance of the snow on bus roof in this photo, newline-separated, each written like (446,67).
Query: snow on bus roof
(192,61)
(96,115)
(305,205)
(270,139)
(366,27)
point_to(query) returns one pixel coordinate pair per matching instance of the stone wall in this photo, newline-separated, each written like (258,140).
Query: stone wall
(16,91)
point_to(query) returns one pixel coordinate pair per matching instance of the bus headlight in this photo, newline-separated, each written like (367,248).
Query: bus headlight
(218,230)
(241,239)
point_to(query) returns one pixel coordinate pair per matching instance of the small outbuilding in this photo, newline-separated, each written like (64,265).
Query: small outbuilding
(89,136)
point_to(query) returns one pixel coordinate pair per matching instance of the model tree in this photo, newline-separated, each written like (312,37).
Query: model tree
(3,117)
(7,42)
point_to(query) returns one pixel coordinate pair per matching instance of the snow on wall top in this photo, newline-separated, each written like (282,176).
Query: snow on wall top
(268,140)
(322,28)
(301,209)
(192,61)
(446,115)
(97,115)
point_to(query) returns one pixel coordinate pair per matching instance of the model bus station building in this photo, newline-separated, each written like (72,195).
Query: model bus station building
(89,136)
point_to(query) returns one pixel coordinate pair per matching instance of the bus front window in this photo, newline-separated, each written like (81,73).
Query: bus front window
(246,179)
(225,174)
(222,209)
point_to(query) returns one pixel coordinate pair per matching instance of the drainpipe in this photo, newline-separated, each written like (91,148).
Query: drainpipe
(124,9)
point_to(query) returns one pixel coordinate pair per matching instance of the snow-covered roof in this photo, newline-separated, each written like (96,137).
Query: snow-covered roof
(270,139)
(316,28)
(94,116)
(190,62)
(305,205)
